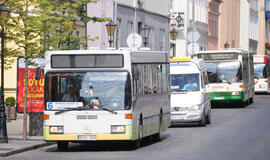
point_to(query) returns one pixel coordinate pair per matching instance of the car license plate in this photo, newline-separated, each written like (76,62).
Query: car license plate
(177,116)
(218,98)
(87,138)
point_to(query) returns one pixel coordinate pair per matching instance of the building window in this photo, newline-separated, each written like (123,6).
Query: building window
(151,38)
(161,40)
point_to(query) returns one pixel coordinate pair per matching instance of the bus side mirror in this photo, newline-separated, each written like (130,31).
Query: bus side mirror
(135,73)
(38,74)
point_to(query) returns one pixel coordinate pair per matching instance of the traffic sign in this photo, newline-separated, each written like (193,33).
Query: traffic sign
(193,47)
(193,36)
(134,40)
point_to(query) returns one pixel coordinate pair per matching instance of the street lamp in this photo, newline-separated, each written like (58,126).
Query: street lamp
(173,34)
(226,45)
(69,27)
(145,33)
(3,125)
(110,30)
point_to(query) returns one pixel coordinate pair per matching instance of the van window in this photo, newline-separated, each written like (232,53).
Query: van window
(185,82)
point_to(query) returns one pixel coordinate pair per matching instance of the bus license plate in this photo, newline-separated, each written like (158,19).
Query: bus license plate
(218,98)
(87,138)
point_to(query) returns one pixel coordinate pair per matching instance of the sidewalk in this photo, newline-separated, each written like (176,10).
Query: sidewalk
(16,144)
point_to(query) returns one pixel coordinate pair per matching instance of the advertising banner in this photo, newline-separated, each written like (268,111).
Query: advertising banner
(267,9)
(35,90)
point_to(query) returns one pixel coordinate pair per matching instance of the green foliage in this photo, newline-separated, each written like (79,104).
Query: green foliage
(10,100)
(36,26)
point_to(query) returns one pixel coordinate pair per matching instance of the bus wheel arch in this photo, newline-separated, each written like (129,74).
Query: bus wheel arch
(158,136)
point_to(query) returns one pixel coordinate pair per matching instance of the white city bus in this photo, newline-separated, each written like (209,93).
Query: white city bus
(230,74)
(261,73)
(97,95)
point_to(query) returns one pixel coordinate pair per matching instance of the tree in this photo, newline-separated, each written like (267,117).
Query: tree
(35,26)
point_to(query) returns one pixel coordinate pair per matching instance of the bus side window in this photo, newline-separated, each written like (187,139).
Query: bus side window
(140,85)
(145,78)
(134,80)
(160,79)
(150,84)
(164,78)
(154,78)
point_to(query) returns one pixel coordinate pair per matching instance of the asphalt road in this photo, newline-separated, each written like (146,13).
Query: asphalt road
(235,134)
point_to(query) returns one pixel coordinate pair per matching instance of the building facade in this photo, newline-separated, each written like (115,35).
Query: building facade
(130,16)
(194,31)
(213,23)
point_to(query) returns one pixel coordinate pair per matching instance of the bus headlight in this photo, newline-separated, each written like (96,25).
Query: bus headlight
(235,93)
(195,108)
(56,129)
(117,129)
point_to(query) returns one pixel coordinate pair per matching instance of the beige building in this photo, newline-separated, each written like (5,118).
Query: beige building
(229,23)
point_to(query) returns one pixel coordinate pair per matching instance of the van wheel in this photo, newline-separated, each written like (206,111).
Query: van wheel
(62,145)
(251,100)
(208,118)
(159,135)
(203,120)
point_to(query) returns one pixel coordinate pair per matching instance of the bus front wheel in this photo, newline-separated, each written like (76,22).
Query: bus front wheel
(62,145)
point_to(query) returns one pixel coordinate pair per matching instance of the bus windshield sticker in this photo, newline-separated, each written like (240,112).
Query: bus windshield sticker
(63,105)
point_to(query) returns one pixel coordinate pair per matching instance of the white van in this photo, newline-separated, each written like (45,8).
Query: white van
(189,100)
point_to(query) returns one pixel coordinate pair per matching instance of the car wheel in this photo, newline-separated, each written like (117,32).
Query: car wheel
(203,120)
(208,118)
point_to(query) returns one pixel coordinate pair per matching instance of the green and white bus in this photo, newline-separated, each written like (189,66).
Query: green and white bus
(105,95)
(230,74)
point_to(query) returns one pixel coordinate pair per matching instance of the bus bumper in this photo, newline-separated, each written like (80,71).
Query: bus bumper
(184,118)
(226,96)
(87,136)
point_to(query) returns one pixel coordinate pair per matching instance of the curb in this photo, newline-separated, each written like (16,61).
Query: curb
(25,149)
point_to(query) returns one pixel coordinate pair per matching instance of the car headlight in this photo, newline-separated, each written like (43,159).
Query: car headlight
(195,108)
(56,129)
(118,129)
(235,93)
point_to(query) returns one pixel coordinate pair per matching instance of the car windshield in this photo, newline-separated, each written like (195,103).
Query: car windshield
(111,89)
(260,71)
(224,72)
(185,82)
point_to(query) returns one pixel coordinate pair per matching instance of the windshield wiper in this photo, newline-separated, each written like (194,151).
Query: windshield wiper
(86,108)
(106,109)
(73,109)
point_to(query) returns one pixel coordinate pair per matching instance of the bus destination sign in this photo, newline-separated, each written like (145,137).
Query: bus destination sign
(219,56)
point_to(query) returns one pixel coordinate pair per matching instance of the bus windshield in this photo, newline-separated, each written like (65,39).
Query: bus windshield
(111,89)
(224,72)
(185,82)
(260,71)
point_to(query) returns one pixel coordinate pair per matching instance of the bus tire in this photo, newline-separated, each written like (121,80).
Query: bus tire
(208,118)
(138,142)
(203,120)
(158,137)
(62,145)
